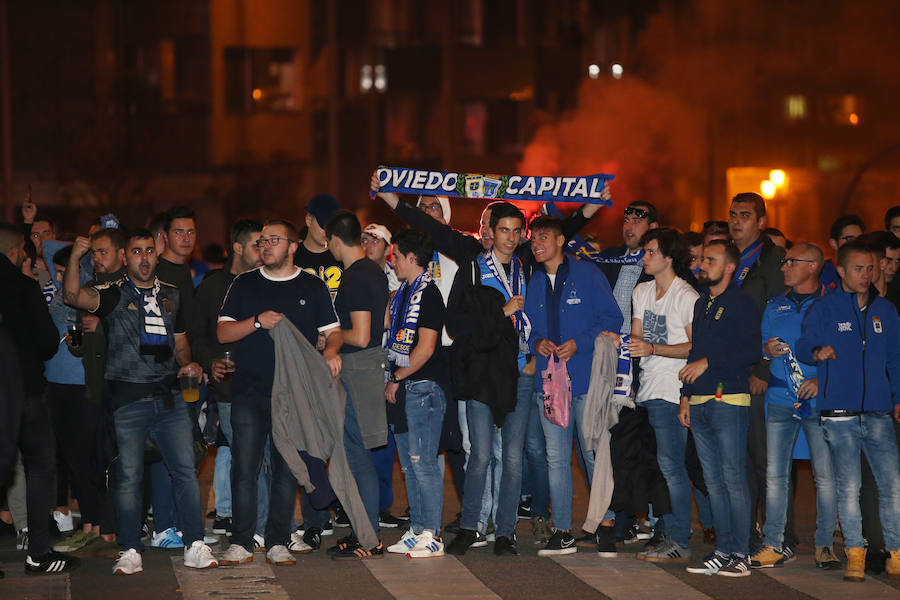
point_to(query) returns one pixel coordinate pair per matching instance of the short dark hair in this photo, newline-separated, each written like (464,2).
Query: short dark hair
(891,214)
(732,254)
(139,234)
(179,212)
(116,236)
(692,238)
(345,226)
(61,256)
(159,223)
(852,247)
(547,222)
(879,242)
(49,222)
(774,231)
(243,228)
(213,254)
(843,222)
(759,205)
(416,241)
(293,235)
(504,210)
(671,244)
(652,213)
(715,227)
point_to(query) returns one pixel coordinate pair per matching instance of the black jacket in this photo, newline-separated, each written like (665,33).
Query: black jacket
(203,321)
(24,311)
(11,399)
(485,351)
(764,281)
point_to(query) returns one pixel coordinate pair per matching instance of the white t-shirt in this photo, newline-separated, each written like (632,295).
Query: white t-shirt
(663,322)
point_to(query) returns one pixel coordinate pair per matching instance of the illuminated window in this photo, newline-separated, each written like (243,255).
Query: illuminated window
(845,109)
(261,80)
(795,107)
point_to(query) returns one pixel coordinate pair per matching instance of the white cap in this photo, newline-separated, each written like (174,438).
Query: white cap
(445,206)
(379,231)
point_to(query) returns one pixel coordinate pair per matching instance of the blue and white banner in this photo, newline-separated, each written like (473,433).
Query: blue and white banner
(582,189)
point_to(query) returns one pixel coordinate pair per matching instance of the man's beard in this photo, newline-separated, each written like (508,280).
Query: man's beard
(706,281)
(280,264)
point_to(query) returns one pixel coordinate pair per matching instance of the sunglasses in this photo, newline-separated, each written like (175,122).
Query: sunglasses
(640,213)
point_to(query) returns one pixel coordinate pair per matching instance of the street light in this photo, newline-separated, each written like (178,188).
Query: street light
(593,71)
(617,71)
(777,177)
(768,189)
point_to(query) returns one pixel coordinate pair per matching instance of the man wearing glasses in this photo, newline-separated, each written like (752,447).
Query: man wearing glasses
(257,301)
(791,406)
(845,228)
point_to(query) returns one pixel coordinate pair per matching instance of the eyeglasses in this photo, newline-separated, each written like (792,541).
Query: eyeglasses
(272,241)
(434,207)
(791,261)
(640,213)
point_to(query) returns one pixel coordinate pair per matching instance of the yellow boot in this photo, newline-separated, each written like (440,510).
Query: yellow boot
(893,565)
(856,564)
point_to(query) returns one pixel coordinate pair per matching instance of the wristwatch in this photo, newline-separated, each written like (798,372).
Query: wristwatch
(394,379)
(256,322)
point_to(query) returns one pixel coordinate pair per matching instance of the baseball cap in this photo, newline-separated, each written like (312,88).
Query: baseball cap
(378,231)
(322,207)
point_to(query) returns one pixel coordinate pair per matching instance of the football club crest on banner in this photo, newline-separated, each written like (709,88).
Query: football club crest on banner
(586,188)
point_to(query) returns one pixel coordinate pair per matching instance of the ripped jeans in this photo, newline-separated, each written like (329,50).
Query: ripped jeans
(418,451)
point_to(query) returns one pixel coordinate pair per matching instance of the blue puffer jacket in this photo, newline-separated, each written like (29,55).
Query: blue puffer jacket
(865,375)
(584,306)
(783,319)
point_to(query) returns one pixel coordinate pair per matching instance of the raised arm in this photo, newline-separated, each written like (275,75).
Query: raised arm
(85,298)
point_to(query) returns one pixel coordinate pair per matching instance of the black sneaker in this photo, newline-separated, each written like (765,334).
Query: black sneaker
(588,540)
(463,540)
(606,541)
(711,564)
(738,566)
(405,516)
(453,526)
(327,528)
(211,514)
(657,539)
(524,511)
(348,541)
(387,520)
(504,545)
(52,562)
(631,535)
(790,553)
(359,553)
(222,525)
(340,517)
(561,542)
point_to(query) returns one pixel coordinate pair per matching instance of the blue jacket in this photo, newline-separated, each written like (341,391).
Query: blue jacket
(866,373)
(64,367)
(783,318)
(727,335)
(581,308)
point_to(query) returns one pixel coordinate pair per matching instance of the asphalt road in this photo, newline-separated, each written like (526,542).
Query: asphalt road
(478,574)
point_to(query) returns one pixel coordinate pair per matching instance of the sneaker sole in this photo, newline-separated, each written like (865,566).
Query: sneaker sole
(307,550)
(479,544)
(854,578)
(244,561)
(212,565)
(281,563)
(608,554)
(123,572)
(701,571)
(555,552)
(667,559)
(429,555)
(734,574)
(220,531)
(777,565)
(388,525)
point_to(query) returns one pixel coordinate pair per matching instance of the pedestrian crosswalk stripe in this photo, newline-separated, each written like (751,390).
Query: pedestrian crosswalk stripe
(243,581)
(626,578)
(443,577)
(803,576)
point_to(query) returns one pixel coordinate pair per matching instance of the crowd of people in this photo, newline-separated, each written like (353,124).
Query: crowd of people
(684,368)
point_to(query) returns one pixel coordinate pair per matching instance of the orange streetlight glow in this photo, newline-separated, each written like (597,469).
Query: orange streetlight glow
(257,94)
(768,189)
(777,177)
(854,119)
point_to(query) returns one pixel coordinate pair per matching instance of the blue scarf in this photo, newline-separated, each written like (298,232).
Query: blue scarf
(404,319)
(153,327)
(802,408)
(494,187)
(622,391)
(748,258)
(492,269)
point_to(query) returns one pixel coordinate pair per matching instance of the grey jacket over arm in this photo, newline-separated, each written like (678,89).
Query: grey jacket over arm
(308,407)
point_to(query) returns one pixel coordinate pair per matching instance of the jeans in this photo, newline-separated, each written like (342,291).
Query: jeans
(361,465)
(36,444)
(222,475)
(671,441)
(704,511)
(383,458)
(251,422)
(873,434)
(536,471)
(170,429)
(781,434)
(162,497)
(559,458)
(720,433)
(481,427)
(492,479)
(418,447)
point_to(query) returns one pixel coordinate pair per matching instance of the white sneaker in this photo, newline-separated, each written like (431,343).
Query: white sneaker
(236,555)
(259,543)
(64,522)
(199,556)
(281,556)
(405,544)
(427,546)
(129,563)
(297,544)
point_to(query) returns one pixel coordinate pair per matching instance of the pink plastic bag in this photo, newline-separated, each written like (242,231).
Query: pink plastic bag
(557,388)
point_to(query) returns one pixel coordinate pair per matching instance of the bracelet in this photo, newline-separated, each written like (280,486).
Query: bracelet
(652,349)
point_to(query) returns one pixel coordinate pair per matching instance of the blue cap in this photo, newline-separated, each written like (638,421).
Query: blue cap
(322,207)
